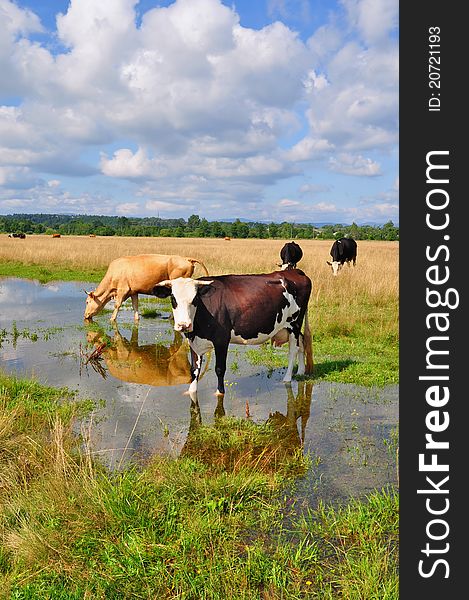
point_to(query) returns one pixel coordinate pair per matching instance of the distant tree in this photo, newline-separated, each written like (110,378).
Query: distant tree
(165,232)
(272,230)
(354,231)
(286,231)
(390,232)
(243,230)
(193,221)
(205,227)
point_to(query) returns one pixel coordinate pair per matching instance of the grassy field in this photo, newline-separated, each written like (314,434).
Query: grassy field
(354,317)
(212,524)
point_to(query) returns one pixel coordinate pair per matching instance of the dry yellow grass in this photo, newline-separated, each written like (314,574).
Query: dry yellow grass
(376,272)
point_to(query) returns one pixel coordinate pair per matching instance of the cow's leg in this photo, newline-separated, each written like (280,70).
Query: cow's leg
(134,336)
(221,352)
(301,355)
(196,368)
(135,306)
(117,305)
(293,351)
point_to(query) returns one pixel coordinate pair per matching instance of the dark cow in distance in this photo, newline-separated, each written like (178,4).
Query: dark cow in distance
(20,235)
(342,250)
(241,309)
(290,254)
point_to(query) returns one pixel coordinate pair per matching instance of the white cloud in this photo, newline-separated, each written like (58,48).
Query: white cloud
(288,202)
(308,149)
(323,207)
(163,206)
(14,20)
(350,164)
(375,19)
(312,188)
(127,208)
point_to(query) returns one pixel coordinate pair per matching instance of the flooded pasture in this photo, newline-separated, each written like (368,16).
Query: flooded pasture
(140,376)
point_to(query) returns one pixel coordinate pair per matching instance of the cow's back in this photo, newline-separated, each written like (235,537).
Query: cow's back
(140,273)
(252,302)
(350,248)
(344,249)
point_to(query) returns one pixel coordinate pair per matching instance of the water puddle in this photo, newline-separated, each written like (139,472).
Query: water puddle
(141,375)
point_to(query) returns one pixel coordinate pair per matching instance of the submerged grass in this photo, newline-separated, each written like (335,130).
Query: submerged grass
(210,524)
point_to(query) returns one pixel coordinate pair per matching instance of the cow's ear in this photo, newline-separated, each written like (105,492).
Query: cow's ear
(161,291)
(330,264)
(205,290)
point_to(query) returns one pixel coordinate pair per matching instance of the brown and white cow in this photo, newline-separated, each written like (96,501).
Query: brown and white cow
(128,276)
(241,309)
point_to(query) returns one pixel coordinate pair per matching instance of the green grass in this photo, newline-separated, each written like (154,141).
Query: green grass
(49,273)
(213,523)
(363,350)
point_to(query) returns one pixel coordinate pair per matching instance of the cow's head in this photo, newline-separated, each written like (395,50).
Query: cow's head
(184,292)
(335,266)
(93,305)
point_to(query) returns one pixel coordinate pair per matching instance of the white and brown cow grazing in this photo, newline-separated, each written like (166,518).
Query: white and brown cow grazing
(241,309)
(343,250)
(290,255)
(128,276)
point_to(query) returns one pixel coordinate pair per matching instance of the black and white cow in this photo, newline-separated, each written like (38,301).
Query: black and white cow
(290,254)
(241,309)
(342,250)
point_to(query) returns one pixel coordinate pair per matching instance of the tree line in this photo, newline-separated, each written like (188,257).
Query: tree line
(194,226)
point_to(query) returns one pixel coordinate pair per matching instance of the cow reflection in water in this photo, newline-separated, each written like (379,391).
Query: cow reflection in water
(149,364)
(286,435)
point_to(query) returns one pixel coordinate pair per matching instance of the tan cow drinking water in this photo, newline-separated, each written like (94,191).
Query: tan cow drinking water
(128,276)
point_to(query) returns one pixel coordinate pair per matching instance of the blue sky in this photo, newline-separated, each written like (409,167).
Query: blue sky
(283,110)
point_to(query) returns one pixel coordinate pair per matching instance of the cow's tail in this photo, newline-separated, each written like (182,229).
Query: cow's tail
(308,346)
(194,260)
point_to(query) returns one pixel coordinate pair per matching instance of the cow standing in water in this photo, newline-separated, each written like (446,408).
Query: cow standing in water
(343,250)
(128,276)
(241,309)
(290,254)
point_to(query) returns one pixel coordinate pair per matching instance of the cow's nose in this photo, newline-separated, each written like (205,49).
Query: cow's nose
(184,327)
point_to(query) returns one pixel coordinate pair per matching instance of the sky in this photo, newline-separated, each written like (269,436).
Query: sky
(267,110)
